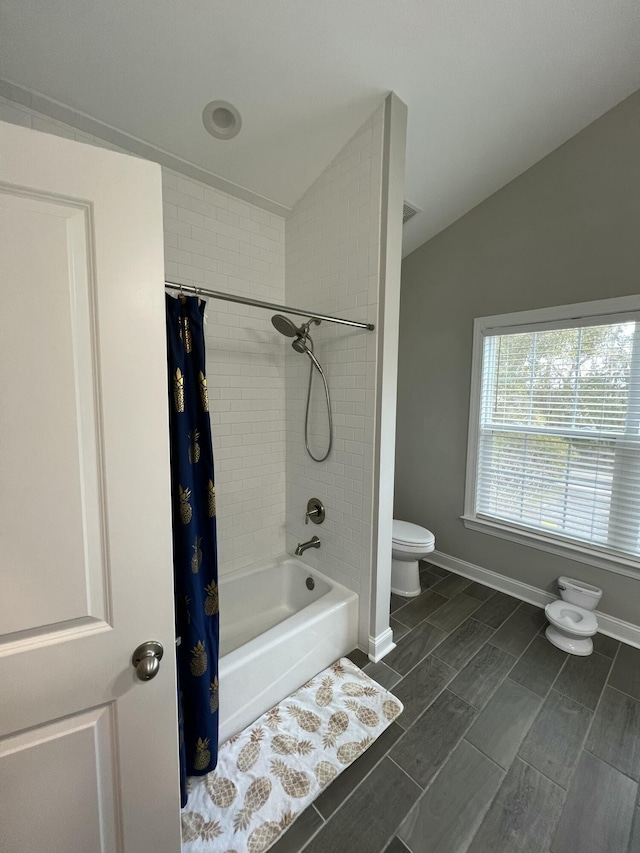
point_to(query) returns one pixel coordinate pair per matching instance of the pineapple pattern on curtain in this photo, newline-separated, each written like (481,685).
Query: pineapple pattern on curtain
(194,538)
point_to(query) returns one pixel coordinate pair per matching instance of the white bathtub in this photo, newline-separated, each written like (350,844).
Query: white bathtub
(275,634)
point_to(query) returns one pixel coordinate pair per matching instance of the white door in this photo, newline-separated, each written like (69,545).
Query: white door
(88,752)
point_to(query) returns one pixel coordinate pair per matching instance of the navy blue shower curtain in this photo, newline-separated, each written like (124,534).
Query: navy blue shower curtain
(194,538)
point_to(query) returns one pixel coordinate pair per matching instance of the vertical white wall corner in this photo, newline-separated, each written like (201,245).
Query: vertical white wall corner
(393,167)
(332,244)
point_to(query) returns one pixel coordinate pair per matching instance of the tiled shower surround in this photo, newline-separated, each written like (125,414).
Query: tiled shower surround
(257,383)
(229,245)
(332,240)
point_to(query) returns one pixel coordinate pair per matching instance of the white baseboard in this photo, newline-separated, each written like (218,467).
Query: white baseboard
(609,625)
(381,645)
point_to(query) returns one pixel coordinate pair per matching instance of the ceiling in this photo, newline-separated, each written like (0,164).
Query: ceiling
(492,86)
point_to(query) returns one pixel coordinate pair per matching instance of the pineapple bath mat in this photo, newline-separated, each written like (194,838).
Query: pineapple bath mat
(269,773)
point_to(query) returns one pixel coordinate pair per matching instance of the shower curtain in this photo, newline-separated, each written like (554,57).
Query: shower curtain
(194,539)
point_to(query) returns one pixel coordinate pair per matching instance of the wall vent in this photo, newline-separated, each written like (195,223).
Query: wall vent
(408,211)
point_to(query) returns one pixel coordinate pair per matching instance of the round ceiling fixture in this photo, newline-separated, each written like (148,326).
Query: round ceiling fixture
(222,119)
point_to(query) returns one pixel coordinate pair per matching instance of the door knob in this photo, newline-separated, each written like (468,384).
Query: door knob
(146,659)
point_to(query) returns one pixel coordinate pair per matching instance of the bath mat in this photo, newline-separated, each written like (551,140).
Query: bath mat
(270,772)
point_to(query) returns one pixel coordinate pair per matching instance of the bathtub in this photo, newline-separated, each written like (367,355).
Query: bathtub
(275,634)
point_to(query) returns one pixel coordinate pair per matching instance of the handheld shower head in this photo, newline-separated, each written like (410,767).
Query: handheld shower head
(303,342)
(286,326)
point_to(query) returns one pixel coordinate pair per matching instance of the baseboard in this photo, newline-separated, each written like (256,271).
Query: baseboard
(381,645)
(626,632)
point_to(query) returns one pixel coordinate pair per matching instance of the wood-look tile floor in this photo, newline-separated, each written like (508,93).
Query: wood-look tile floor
(506,743)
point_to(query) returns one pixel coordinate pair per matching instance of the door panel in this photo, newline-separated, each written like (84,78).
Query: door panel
(76,752)
(88,753)
(49,414)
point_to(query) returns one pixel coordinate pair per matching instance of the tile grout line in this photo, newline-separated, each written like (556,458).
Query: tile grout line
(313,806)
(355,787)
(486,642)
(435,698)
(606,681)
(409,776)
(609,764)
(565,791)
(617,690)
(325,821)
(582,745)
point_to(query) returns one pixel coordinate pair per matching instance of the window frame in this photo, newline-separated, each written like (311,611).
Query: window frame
(556,317)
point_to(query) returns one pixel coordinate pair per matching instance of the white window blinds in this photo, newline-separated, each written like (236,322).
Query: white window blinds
(558,443)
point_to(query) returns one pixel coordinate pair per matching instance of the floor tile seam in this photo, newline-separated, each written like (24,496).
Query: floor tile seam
(437,696)
(605,683)
(609,764)
(468,616)
(581,748)
(555,689)
(395,671)
(436,776)
(551,687)
(462,736)
(410,777)
(404,843)
(417,663)
(356,786)
(413,627)
(484,754)
(617,690)
(434,588)
(478,650)
(564,790)
(526,648)
(525,735)
(499,684)
(529,690)
(613,663)
(430,654)
(558,674)
(313,834)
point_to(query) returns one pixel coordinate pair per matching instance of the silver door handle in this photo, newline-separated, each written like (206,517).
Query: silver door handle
(146,659)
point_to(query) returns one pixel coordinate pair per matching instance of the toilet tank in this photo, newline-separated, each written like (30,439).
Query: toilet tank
(579,593)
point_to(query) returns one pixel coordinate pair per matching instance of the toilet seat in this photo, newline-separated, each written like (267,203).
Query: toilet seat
(571,618)
(408,535)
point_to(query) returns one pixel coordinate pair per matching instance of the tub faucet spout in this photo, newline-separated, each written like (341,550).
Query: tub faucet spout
(314,542)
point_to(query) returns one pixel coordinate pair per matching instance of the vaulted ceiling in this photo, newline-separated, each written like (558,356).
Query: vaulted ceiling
(491,86)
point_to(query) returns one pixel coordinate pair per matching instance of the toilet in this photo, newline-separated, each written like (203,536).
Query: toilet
(410,543)
(571,621)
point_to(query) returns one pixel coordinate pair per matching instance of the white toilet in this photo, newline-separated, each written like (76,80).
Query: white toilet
(410,544)
(571,622)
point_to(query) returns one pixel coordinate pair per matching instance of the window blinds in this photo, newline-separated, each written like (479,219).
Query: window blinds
(559,432)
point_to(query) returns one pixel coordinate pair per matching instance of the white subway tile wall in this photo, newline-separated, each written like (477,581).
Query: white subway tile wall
(332,240)
(216,240)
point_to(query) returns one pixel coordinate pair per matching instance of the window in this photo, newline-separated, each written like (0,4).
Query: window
(554,435)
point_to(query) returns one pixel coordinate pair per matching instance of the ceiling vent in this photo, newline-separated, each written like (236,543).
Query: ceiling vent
(408,211)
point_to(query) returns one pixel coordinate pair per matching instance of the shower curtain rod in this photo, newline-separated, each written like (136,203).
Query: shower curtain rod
(243,300)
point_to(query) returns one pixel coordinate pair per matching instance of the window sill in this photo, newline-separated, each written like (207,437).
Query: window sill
(580,554)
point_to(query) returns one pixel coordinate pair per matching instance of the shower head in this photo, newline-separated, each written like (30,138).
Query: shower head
(286,326)
(300,344)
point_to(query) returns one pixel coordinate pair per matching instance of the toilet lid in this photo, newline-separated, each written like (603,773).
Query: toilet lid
(572,618)
(405,533)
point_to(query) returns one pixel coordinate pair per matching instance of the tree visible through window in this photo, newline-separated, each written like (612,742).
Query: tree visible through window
(558,442)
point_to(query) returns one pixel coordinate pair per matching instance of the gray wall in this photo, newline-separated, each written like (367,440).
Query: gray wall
(567,230)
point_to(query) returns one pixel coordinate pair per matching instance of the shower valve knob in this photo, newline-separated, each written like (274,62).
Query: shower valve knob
(315,511)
